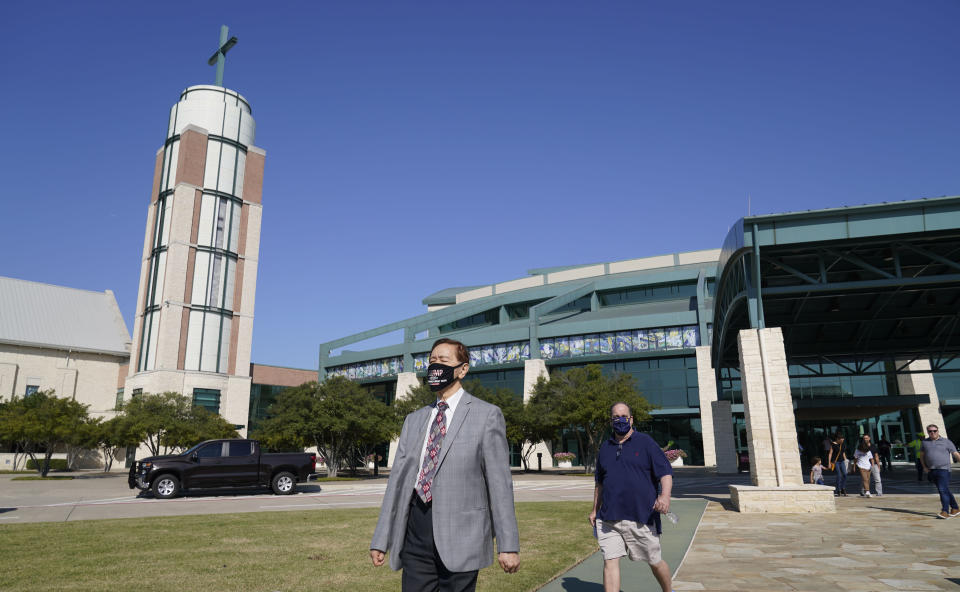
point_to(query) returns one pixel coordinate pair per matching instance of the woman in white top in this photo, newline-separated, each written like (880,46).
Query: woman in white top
(864,459)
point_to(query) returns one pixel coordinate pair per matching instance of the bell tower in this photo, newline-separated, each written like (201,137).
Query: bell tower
(194,320)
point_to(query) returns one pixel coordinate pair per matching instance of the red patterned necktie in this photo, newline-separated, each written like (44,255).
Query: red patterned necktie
(438,429)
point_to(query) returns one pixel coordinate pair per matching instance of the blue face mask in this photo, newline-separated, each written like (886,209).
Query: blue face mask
(621,425)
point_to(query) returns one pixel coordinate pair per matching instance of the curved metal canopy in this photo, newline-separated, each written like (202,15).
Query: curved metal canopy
(851,283)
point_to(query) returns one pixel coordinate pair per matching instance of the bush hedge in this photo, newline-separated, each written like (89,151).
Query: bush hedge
(56,464)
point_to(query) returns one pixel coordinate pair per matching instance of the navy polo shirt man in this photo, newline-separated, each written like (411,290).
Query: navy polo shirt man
(626,503)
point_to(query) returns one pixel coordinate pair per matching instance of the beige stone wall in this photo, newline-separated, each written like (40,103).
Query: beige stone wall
(249,288)
(922,384)
(798,499)
(405,382)
(142,291)
(175,276)
(726,444)
(235,402)
(234,390)
(707,387)
(757,415)
(89,378)
(532,370)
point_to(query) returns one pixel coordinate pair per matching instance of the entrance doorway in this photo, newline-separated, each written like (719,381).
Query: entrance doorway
(894,433)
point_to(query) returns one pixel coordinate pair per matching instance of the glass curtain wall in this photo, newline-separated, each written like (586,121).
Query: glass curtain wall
(215,265)
(668,383)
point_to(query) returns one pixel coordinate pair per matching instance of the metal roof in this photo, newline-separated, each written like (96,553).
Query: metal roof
(42,315)
(863,282)
(447,295)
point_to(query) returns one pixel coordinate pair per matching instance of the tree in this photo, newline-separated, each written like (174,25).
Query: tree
(40,424)
(580,399)
(108,437)
(82,440)
(169,421)
(523,428)
(419,396)
(337,416)
(7,441)
(514,412)
(198,425)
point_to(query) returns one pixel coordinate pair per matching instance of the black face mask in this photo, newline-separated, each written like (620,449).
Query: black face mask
(621,425)
(440,376)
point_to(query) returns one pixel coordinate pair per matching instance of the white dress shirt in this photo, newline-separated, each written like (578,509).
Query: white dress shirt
(452,403)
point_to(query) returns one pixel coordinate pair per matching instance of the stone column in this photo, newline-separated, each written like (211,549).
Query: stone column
(763,375)
(759,429)
(922,384)
(707,388)
(405,382)
(726,451)
(532,370)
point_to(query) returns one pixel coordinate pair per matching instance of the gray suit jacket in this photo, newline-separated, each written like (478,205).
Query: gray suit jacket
(472,489)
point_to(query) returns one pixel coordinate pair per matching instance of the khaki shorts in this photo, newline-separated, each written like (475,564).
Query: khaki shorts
(623,537)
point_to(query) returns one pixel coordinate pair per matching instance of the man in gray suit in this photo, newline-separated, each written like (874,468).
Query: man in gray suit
(450,490)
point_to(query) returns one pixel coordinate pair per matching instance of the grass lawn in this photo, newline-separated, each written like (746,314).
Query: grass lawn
(47,478)
(266,551)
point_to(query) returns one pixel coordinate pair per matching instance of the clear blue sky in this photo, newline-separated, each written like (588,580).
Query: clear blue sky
(414,146)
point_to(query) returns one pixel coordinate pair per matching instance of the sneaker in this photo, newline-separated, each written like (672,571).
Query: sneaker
(943,515)
(954,512)
(868,495)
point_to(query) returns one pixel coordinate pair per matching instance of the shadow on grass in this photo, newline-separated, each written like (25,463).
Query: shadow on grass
(578,585)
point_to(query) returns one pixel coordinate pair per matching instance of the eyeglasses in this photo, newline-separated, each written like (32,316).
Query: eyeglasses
(931,431)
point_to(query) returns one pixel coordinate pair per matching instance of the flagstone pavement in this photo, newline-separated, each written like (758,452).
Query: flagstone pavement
(889,543)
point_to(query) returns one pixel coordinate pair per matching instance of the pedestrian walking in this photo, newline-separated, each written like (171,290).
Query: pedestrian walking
(917,445)
(936,453)
(826,444)
(884,446)
(816,471)
(874,466)
(631,467)
(450,491)
(864,459)
(838,464)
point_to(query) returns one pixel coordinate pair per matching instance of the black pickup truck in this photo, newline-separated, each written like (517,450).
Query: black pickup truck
(222,463)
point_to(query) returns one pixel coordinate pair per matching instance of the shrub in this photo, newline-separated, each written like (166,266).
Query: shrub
(56,464)
(563,456)
(674,454)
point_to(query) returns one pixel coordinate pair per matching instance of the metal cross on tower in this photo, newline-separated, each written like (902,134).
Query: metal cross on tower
(219,57)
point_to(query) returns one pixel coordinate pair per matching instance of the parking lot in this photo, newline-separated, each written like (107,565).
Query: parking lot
(95,496)
(98,496)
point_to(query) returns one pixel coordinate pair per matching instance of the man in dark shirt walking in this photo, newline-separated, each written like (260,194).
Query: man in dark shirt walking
(626,506)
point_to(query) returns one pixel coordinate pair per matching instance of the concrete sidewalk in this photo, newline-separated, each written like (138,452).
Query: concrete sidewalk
(878,544)
(636,576)
(889,543)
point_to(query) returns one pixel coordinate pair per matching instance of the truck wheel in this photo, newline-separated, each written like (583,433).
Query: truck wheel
(166,486)
(284,483)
